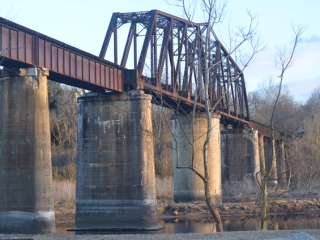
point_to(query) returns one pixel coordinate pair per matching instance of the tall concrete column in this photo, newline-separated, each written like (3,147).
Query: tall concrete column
(236,153)
(241,160)
(189,139)
(256,151)
(26,202)
(274,172)
(271,164)
(281,163)
(115,157)
(262,153)
(161,121)
(267,146)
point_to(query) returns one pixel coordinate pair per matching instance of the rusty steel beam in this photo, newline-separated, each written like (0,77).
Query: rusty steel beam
(20,46)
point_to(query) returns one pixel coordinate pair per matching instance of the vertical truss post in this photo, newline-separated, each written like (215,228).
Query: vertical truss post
(112,25)
(115,44)
(245,96)
(143,54)
(153,69)
(135,45)
(164,48)
(128,45)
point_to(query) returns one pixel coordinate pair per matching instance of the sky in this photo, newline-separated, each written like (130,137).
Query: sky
(83,24)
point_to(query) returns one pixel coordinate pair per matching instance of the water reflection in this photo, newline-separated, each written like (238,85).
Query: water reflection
(247,224)
(234,224)
(189,227)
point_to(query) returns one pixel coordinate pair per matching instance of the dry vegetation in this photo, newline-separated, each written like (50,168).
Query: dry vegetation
(63,110)
(301,127)
(299,123)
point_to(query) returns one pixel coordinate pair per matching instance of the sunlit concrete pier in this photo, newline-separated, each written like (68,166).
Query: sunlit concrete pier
(26,202)
(191,135)
(116,176)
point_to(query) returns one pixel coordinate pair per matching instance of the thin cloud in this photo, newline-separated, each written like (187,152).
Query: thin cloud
(312,39)
(301,78)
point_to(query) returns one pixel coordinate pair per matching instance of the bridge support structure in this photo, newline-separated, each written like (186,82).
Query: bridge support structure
(161,119)
(189,138)
(281,163)
(26,202)
(270,148)
(115,156)
(241,159)
(256,153)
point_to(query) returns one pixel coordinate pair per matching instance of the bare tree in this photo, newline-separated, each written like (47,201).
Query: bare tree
(214,12)
(265,175)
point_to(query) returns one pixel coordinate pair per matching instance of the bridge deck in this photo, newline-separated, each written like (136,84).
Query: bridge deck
(22,46)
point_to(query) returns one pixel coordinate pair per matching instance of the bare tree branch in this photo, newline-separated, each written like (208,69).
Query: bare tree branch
(285,62)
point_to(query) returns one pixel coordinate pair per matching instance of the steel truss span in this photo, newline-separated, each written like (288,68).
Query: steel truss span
(165,53)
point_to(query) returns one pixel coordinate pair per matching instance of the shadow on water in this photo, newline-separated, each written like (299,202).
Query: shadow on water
(234,224)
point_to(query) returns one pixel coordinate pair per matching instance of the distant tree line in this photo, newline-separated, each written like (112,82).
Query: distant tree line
(63,127)
(300,125)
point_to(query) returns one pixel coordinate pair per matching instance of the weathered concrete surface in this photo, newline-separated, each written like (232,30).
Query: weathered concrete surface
(262,154)
(281,163)
(115,157)
(256,151)
(164,186)
(161,122)
(238,154)
(274,163)
(189,139)
(249,235)
(269,148)
(26,202)
(240,160)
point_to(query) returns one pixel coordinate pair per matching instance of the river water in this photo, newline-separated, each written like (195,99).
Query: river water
(235,224)
(250,224)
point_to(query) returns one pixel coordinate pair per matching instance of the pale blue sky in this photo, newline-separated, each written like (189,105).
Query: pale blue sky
(83,24)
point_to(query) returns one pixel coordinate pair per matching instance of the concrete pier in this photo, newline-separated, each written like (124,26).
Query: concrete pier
(26,202)
(240,160)
(256,152)
(281,163)
(161,121)
(115,157)
(270,149)
(274,163)
(235,154)
(262,153)
(189,138)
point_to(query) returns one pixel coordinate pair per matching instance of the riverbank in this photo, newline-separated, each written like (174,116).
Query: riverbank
(280,204)
(288,211)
